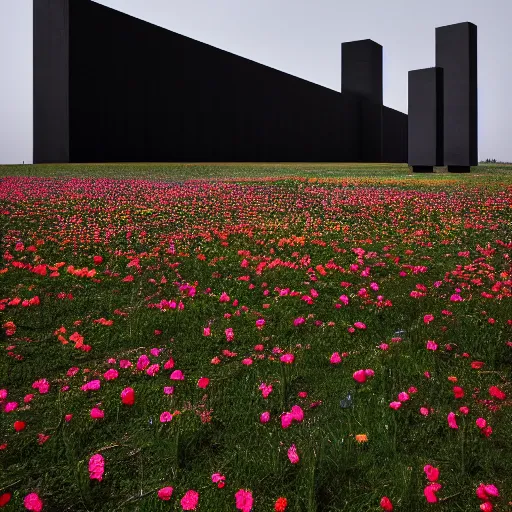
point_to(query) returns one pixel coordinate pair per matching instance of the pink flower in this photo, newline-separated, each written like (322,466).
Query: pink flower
(168,390)
(431,345)
(384,346)
(203,382)
(219,479)
(72,371)
(335,358)
(395,405)
(244,500)
(292,454)
(486,506)
(247,361)
(481,423)
(42,385)
(297,413)
(224,297)
(124,363)
(33,502)
(265,417)
(92,385)
(97,414)
(359,325)
(428,318)
(230,335)
(286,419)
(265,390)
(169,364)
(260,323)
(143,362)
(155,351)
(11,406)
(299,321)
(369,372)
(153,370)
(96,467)
(431,472)
(207,331)
(177,375)
(403,396)
(165,417)
(344,300)
(190,500)
(68,418)
(110,374)
(165,493)
(287,358)
(424,411)
(359,376)
(464,410)
(430,491)
(452,423)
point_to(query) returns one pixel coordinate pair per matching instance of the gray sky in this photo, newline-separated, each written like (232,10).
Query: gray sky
(300,37)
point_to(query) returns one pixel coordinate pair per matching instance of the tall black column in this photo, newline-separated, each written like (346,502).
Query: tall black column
(425,130)
(51,81)
(456,53)
(361,78)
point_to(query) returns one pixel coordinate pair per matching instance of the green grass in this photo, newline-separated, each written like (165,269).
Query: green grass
(303,221)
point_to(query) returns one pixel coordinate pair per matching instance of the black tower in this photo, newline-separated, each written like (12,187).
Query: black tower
(425,119)
(361,78)
(456,53)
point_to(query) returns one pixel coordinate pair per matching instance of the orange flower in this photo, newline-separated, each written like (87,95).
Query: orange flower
(361,438)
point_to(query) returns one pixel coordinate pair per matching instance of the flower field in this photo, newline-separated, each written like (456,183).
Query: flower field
(284,343)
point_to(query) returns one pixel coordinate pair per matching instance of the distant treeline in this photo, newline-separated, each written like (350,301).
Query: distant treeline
(493,161)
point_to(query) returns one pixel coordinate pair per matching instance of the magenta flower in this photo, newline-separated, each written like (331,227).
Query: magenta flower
(165,493)
(431,472)
(359,325)
(207,331)
(11,406)
(244,500)
(431,345)
(265,390)
(428,318)
(265,417)
(299,321)
(481,423)
(287,358)
(165,417)
(297,413)
(97,414)
(430,492)
(92,385)
(260,323)
(143,362)
(395,405)
(190,500)
(96,467)
(230,335)
(452,420)
(33,502)
(335,358)
(124,363)
(110,374)
(168,390)
(403,396)
(286,419)
(359,376)
(247,361)
(177,375)
(292,454)
(153,370)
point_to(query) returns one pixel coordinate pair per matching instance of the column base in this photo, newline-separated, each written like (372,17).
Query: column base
(422,168)
(459,168)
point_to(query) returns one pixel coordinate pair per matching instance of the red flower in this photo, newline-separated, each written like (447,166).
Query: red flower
(4,499)
(281,504)
(19,425)
(385,504)
(97,260)
(497,393)
(128,396)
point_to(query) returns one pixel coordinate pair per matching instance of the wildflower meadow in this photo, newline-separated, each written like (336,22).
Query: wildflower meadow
(265,340)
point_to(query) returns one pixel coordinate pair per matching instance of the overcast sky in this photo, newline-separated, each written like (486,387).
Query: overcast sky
(300,37)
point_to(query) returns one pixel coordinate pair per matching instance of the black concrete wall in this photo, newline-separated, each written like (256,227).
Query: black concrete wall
(394,135)
(51,81)
(138,92)
(456,53)
(426,117)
